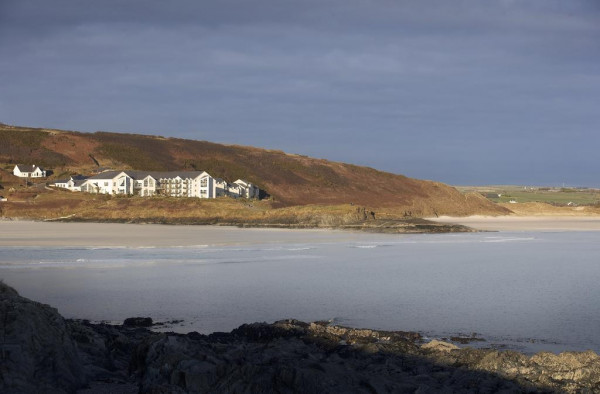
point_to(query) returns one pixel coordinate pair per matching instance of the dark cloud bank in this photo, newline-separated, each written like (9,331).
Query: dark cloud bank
(465,92)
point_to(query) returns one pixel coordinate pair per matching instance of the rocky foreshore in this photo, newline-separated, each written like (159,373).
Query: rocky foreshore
(396,226)
(44,353)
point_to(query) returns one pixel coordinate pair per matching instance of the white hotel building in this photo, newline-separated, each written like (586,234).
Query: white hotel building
(176,184)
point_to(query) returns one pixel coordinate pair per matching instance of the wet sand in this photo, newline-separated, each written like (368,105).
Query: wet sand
(525,223)
(54,234)
(31,233)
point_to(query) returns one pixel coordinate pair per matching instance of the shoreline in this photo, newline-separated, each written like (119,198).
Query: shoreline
(542,223)
(27,232)
(110,234)
(62,233)
(288,355)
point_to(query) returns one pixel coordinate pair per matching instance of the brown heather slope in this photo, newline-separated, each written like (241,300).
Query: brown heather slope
(289,179)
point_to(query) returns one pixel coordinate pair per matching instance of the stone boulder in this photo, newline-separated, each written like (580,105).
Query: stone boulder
(439,346)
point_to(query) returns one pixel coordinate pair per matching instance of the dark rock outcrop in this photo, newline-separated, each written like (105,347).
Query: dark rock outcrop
(38,354)
(566,372)
(138,322)
(291,356)
(42,353)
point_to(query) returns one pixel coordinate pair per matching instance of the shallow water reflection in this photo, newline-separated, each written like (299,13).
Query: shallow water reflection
(529,291)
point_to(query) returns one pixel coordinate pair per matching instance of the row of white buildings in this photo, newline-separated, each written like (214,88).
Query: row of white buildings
(148,183)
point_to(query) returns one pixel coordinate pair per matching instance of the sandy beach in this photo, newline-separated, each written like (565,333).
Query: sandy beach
(31,233)
(54,234)
(525,223)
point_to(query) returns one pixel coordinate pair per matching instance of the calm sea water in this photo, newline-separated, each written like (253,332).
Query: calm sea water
(526,291)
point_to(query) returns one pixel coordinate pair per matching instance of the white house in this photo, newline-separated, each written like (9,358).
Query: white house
(74,183)
(234,190)
(62,183)
(247,189)
(184,183)
(144,183)
(175,186)
(206,186)
(220,187)
(146,187)
(29,171)
(109,182)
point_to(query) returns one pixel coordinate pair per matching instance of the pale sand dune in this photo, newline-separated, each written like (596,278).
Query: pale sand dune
(526,223)
(30,233)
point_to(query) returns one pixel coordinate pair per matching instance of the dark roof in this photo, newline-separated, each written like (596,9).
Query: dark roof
(137,175)
(79,182)
(106,175)
(27,167)
(79,177)
(73,177)
(163,174)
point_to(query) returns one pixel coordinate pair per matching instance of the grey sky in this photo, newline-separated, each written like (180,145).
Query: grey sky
(462,91)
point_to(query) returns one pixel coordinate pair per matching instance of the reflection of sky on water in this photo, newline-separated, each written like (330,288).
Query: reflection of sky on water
(508,287)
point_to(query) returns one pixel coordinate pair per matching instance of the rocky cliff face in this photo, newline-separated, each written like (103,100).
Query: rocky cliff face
(38,353)
(43,353)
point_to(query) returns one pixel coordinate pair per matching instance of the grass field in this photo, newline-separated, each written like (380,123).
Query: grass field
(522,194)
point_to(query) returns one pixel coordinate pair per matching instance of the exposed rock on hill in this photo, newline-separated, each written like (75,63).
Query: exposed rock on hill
(289,179)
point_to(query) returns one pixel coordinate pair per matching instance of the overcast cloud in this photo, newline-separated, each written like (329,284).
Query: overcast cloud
(464,91)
